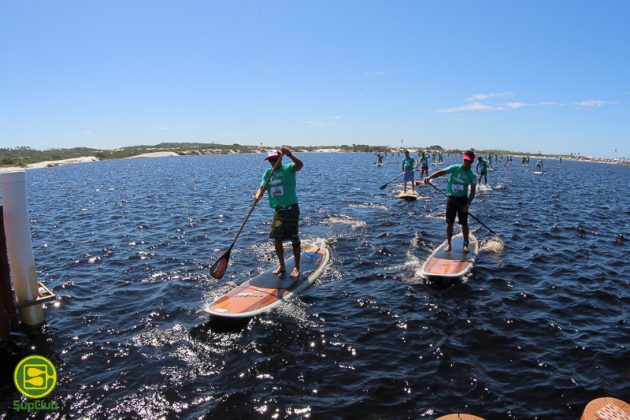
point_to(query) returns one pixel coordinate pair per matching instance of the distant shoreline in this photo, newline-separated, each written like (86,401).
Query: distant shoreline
(26,158)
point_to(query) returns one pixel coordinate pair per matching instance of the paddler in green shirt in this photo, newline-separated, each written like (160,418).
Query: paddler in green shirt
(408,166)
(482,170)
(424,160)
(283,198)
(461,176)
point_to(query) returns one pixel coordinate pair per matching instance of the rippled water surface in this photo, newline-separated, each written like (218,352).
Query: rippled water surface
(537,330)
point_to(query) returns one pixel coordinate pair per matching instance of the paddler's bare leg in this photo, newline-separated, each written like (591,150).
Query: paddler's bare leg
(449,235)
(297,250)
(465,232)
(280,253)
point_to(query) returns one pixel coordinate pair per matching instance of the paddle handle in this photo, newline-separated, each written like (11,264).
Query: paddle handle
(459,208)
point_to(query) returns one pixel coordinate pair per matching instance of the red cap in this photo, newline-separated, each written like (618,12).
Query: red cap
(273,154)
(469,156)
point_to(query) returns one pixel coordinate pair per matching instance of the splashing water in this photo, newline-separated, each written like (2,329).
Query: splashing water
(495,245)
(345,220)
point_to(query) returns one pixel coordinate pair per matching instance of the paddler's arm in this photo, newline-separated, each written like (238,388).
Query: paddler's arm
(473,190)
(435,174)
(297,163)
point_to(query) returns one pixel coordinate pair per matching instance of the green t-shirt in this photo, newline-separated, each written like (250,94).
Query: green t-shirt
(425,161)
(408,164)
(483,166)
(281,187)
(459,180)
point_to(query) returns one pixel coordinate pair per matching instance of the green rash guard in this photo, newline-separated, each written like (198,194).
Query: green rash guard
(483,166)
(459,181)
(281,187)
(408,164)
(425,161)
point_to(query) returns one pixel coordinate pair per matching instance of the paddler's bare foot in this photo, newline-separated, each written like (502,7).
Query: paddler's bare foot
(295,273)
(279,271)
(448,248)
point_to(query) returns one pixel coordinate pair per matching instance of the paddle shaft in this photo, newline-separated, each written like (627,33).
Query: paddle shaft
(459,208)
(389,182)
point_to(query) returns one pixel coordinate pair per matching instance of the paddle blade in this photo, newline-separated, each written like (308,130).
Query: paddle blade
(383,186)
(220,266)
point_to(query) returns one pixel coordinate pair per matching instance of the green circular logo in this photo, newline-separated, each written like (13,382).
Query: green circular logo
(35,376)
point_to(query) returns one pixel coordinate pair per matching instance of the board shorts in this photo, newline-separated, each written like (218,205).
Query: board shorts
(484,173)
(408,176)
(284,225)
(453,206)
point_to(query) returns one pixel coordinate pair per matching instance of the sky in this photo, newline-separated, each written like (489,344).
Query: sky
(546,76)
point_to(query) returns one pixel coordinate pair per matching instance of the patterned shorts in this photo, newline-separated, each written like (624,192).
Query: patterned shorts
(284,226)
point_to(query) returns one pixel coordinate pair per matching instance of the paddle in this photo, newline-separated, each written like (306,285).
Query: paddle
(389,182)
(469,213)
(218,268)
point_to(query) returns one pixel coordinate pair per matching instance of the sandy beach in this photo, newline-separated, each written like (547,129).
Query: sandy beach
(153,154)
(51,163)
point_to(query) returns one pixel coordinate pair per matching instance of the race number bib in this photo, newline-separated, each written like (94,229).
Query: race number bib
(457,188)
(276,191)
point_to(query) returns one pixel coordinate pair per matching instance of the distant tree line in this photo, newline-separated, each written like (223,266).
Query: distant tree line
(24,155)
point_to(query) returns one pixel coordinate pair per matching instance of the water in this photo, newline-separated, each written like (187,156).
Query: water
(538,330)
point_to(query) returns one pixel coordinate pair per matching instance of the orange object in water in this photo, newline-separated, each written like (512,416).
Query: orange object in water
(606,408)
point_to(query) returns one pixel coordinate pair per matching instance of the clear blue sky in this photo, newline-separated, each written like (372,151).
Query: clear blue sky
(535,75)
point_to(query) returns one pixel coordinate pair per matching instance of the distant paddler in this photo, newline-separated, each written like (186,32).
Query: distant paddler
(482,170)
(408,165)
(424,164)
(283,198)
(458,201)
(539,165)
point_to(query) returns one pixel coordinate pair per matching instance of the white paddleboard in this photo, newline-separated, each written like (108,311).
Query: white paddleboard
(408,196)
(451,264)
(267,290)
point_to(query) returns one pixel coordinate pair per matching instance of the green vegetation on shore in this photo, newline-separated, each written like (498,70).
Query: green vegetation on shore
(22,156)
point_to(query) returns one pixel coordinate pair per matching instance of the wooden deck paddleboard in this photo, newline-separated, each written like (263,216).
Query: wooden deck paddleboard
(451,264)
(606,408)
(408,196)
(267,290)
